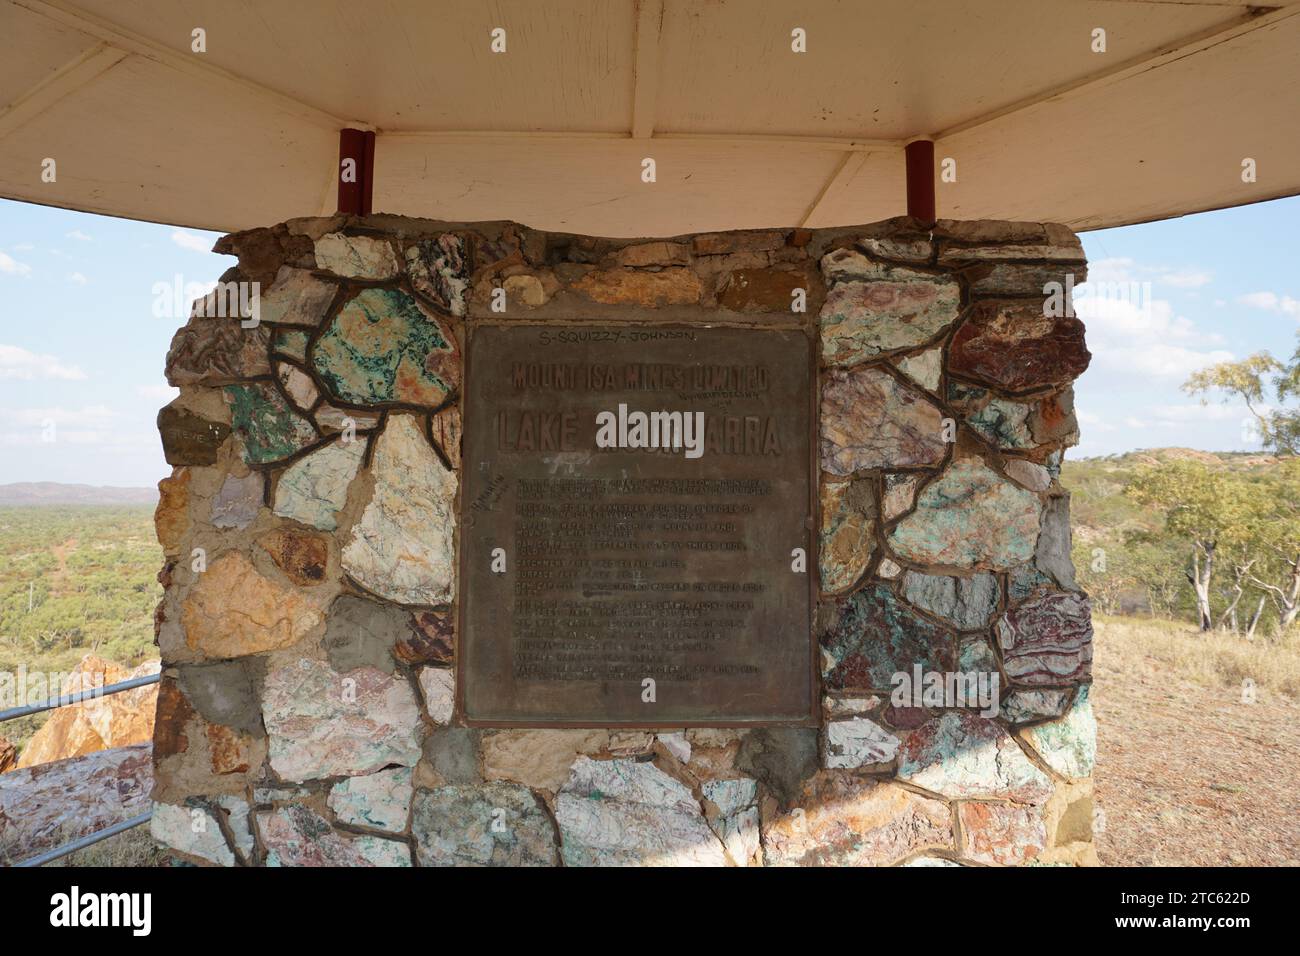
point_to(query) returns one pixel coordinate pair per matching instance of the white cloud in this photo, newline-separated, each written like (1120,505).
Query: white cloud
(79,236)
(1133,422)
(1271,302)
(1159,361)
(90,416)
(1185,279)
(11,266)
(1176,416)
(88,425)
(1137,334)
(24,247)
(38,437)
(18,363)
(161,393)
(78,278)
(1094,423)
(187,240)
(1153,318)
(1114,269)
(1125,269)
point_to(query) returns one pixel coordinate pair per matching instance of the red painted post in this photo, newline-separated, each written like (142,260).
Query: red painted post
(368,184)
(919,156)
(357,180)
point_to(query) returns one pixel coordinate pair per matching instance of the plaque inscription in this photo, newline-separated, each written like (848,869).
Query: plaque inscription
(632,503)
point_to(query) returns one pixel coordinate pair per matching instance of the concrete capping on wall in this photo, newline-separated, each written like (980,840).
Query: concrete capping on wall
(306,714)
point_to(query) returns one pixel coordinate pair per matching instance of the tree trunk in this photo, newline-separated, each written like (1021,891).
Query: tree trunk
(1240,576)
(1291,601)
(1229,616)
(1254,621)
(1200,579)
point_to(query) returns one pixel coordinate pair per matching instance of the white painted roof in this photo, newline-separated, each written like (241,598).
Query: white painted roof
(744,132)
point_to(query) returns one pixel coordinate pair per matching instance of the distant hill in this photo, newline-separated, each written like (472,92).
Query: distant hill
(1099,508)
(54,493)
(1151,456)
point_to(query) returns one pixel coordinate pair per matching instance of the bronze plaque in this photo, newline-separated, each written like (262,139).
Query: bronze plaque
(633,499)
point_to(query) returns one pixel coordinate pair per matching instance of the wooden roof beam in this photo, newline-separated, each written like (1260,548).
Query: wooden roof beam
(645,53)
(80,71)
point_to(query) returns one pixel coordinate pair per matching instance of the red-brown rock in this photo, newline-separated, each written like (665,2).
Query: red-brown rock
(173,713)
(1010,343)
(1048,640)
(430,639)
(672,286)
(654,254)
(768,290)
(722,243)
(301,555)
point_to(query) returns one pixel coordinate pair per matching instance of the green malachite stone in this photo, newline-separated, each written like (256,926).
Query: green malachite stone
(291,342)
(269,428)
(382,349)
(1004,424)
(971,517)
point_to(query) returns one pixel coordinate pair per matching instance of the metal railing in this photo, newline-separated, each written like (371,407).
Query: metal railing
(66,700)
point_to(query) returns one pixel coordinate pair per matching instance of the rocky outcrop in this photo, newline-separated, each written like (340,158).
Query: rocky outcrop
(111,721)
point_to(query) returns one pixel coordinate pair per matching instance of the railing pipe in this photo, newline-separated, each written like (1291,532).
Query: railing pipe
(66,700)
(88,840)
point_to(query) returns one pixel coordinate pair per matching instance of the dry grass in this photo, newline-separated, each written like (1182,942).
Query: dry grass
(135,847)
(1216,659)
(1189,771)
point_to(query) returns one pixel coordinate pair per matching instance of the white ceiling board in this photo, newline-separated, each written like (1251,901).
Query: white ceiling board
(1159,143)
(594,186)
(415,64)
(870,186)
(745,132)
(180,163)
(32,50)
(890,69)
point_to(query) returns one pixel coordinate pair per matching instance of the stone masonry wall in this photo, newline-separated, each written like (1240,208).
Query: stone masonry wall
(306,714)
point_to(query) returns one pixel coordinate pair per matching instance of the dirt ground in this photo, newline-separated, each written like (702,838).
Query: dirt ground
(1188,774)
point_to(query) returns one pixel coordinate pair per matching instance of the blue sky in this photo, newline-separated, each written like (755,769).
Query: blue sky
(82,349)
(1223,285)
